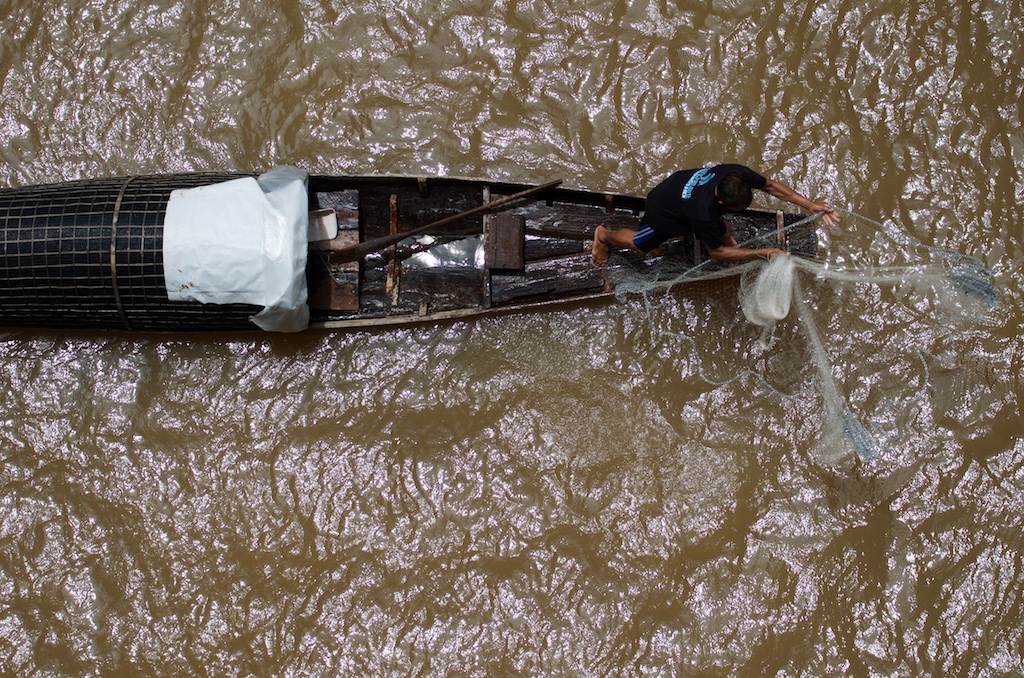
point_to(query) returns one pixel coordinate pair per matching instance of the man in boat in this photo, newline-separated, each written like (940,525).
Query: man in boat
(692,201)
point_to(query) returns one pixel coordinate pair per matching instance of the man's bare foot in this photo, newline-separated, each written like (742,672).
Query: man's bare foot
(600,252)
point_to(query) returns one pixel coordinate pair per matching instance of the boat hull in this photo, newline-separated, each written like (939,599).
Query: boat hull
(89,254)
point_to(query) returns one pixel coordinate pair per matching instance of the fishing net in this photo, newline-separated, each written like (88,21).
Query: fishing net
(851,311)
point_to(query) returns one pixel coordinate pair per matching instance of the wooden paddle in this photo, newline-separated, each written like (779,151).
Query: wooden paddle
(370,246)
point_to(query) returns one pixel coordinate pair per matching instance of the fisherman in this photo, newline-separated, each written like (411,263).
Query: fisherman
(692,201)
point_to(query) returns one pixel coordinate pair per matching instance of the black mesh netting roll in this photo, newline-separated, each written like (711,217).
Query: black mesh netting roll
(59,268)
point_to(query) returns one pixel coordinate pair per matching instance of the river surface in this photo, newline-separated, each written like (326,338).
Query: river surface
(635,488)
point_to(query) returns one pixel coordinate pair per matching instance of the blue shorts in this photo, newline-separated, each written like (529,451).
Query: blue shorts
(647,239)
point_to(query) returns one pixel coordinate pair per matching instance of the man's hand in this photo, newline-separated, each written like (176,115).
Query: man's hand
(830,216)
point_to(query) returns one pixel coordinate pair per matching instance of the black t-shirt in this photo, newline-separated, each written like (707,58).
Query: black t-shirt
(686,203)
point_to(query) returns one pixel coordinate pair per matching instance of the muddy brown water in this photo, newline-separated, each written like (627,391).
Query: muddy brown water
(583,492)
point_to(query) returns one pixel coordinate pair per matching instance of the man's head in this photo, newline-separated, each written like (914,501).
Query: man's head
(734,193)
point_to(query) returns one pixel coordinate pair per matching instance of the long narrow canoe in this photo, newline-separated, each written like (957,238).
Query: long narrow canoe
(90,254)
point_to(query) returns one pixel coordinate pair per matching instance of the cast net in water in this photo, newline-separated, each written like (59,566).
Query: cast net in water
(857,316)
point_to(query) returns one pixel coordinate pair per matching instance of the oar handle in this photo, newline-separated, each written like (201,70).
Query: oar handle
(370,246)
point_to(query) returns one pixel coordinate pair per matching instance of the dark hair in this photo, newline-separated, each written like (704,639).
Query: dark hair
(735,192)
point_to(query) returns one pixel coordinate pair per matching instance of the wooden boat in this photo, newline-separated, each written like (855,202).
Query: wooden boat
(89,254)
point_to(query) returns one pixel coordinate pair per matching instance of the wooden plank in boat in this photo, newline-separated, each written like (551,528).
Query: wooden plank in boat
(344,240)
(549,248)
(553,277)
(338,289)
(504,239)
(332,294)
(415,210)
(577,224)
(438,289)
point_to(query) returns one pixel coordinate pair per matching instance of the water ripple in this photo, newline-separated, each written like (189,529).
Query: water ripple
(621,489)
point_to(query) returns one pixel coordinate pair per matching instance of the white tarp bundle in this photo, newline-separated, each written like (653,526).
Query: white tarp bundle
(242,241)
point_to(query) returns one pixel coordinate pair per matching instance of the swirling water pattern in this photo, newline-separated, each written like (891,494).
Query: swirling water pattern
(587,492)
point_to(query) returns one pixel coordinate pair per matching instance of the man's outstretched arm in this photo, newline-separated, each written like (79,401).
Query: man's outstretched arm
(781,191)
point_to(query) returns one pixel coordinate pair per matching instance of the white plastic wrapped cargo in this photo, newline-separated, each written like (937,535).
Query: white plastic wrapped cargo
(242,241)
